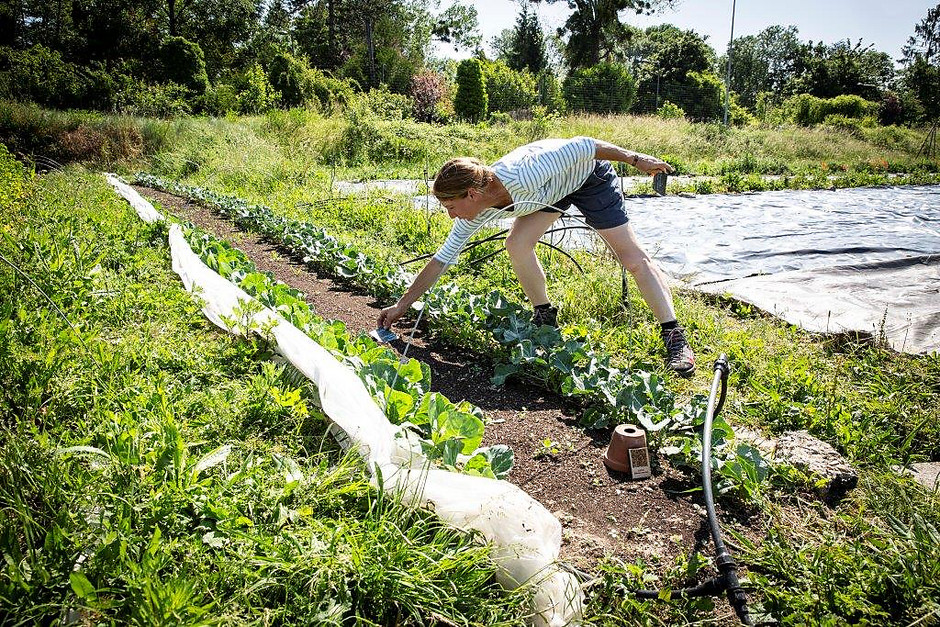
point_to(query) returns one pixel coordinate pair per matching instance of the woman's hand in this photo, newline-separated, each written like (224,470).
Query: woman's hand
(390,315)
(651,165)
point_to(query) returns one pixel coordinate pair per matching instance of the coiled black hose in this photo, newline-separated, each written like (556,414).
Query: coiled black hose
(727,580)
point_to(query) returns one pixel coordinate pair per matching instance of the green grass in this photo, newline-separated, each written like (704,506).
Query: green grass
(304,149)
(155,470)
(156,389)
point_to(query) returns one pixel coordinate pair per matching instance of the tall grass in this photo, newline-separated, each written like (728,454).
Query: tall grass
(293,146)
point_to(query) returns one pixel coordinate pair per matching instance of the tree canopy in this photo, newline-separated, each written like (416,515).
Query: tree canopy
(594,29)
(523,47)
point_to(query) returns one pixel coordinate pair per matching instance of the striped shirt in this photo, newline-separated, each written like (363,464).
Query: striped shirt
(535,175)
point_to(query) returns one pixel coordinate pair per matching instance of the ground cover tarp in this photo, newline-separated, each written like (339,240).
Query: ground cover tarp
(865,259)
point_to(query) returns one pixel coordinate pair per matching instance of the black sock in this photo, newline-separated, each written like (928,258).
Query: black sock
(543,307)
(668,326)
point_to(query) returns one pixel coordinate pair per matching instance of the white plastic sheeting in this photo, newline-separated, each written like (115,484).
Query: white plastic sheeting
(525,536)
(144,209)
(864,259)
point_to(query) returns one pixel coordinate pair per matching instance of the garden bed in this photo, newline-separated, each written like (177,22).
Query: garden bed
(603,512)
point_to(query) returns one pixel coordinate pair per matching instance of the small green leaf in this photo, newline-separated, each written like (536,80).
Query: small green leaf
(81,586)
(212,458)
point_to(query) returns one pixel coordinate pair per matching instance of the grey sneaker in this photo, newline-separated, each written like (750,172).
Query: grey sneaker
(545,315)
(679,356)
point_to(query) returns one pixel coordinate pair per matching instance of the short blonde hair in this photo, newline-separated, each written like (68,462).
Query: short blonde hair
(457,176)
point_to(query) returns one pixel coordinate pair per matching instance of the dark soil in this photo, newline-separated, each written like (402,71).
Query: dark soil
(603,513)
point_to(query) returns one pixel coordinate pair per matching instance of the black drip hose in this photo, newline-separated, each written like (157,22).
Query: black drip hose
(727,579)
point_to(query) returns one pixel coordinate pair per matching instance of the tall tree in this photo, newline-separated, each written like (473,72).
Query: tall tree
(765,62)
(594,28)
(220,27)
(108,30)
(378,41)
(922,69)
(458,25)
(523,47)
(662,58)
(827,71)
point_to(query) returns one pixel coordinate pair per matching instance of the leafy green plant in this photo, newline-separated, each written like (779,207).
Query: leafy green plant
(670,111)
(602,88)
(450,434)
(258,95)
(508,89)
(471,101)
(184,63)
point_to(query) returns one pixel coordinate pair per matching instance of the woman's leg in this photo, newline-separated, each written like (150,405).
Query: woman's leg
(520,244)
(655,290)
(649,279)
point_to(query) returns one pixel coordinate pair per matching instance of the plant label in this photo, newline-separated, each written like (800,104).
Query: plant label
(640,463)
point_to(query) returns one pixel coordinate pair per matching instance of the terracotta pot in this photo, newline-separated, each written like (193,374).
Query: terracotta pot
(617,456)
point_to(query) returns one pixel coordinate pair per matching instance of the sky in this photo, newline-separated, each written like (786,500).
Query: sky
(885,23)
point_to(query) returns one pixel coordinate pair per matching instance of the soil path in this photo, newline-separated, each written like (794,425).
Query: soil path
(603,513)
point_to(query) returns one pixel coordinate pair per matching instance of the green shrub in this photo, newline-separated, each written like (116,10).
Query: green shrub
(218,100)
(258,95)
(703,186)
(39,74)
(292,79)
(508,89)
(808,110)
(332,92)
(749,163)
(368,139)
(471,102)
(706,97)
(184,63)
(13,179)
(804,109)
(301,85)
(549,91)
(385,105)
(849,124)
(498,118)
(167,100)
(768,110)
(602,88)
(670,111)
(850,106)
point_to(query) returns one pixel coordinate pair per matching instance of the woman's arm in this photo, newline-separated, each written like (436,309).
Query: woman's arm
(421,284)
(642,162)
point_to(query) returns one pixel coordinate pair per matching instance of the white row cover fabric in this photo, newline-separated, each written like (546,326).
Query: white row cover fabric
(144,209)
(526,537)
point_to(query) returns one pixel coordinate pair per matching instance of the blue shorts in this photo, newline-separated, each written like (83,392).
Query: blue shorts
(598,198)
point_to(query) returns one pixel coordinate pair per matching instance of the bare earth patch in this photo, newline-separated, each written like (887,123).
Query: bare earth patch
(603,513)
